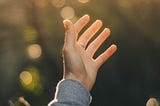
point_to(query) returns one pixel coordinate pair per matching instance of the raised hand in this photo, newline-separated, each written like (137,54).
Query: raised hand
(79,63)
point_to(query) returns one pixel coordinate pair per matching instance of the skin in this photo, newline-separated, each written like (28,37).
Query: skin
(78,60)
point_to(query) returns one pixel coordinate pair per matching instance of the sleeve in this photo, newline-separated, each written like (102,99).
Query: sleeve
(71,93)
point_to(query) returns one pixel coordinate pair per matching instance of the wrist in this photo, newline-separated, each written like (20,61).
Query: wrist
(81,79)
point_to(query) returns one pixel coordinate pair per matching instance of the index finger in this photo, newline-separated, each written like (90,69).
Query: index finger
(81,23)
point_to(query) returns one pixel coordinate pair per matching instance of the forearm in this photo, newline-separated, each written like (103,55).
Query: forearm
(71,93)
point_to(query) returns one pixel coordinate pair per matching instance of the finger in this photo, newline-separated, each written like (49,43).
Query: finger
(70,35)
(90,32)
(104,56)
(92,48)
(81,23)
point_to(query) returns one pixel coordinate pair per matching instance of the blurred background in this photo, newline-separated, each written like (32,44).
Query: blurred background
(31,39)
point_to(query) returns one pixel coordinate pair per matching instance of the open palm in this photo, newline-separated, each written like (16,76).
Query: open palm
(79,63)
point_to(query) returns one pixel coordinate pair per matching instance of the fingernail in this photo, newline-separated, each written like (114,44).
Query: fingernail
(99,22)
(87,16)
(66,23)
(107,29)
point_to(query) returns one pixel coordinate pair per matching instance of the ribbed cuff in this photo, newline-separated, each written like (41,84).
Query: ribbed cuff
(71,92)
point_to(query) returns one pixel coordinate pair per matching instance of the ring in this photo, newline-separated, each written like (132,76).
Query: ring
(82,45)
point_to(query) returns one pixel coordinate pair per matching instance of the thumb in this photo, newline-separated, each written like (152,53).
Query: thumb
(66,24)
(70,35)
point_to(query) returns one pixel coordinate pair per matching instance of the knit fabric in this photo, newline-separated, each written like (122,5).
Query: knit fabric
(71,93)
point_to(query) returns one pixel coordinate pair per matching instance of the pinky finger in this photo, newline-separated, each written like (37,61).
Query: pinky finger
(105,55)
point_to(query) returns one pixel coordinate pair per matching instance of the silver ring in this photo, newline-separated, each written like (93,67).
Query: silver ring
(82,45)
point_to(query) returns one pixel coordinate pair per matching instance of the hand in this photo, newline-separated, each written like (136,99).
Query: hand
(79,63)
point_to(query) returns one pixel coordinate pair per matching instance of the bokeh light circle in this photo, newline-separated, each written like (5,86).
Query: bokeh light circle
(34,51)
(67,12)
(58,3)
(26,77)
(83,1)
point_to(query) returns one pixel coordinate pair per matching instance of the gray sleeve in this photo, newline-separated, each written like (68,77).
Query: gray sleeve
(71,93)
